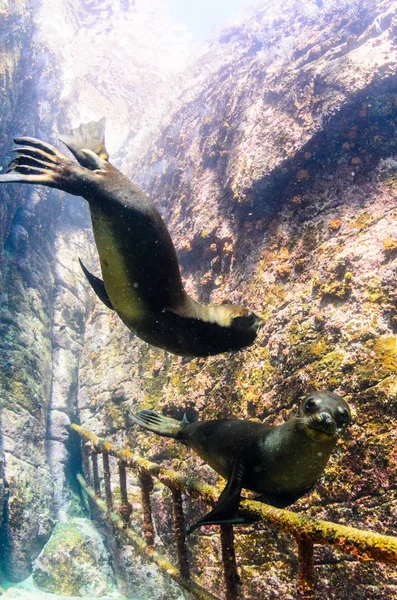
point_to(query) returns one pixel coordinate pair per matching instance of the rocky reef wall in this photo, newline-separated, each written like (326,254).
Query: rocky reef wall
(41,336)
(26,310)
(276,174)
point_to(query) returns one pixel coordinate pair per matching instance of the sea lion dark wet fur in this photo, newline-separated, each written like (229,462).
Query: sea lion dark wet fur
(281,463)
(141,278)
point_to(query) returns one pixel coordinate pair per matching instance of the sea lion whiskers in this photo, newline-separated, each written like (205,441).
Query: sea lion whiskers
(322,422)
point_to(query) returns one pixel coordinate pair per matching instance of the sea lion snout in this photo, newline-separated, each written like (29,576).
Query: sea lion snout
(323,422)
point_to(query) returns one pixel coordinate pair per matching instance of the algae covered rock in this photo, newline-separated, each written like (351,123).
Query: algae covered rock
(276,175)
(74,562)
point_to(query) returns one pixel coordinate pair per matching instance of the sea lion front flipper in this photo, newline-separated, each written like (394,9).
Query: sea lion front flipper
(98,286)
(89,136)
(226,509)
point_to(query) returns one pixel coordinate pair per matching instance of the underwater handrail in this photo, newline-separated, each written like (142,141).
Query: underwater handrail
(141,546)
(362,544)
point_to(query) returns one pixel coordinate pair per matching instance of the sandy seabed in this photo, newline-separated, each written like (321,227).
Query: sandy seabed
(26,590)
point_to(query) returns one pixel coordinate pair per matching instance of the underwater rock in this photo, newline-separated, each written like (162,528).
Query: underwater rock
(25,315)
(138,577)
(17,241)
(58,426)
(68,325)
(74,562)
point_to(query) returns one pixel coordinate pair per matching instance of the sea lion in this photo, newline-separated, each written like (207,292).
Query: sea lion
(141,277)
(281,463)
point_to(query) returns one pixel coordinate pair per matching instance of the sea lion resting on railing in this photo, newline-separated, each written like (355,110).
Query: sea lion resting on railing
(281,463)
(141,278)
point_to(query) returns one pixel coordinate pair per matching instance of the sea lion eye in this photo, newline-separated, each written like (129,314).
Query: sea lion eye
(310,404)
(342,418)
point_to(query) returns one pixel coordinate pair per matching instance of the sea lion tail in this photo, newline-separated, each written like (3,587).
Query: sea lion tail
(159,424)
(88,137)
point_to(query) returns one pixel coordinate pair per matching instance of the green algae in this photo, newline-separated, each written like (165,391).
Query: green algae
(327,369)
(375,291)
(69,560)
(310,237)
(380,361)
(339,289)
(115,415)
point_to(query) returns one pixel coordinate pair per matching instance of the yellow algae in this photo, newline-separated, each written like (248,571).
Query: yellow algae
(362,221)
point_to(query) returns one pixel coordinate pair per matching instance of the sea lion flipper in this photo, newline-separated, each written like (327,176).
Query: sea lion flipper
(165,426)
(98,286)
(35,162)
(226,509)
(89,136)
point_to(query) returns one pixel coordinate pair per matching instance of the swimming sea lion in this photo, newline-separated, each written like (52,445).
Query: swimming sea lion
(141,278)
(281,463)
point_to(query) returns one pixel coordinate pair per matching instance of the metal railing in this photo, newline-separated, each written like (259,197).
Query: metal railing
(364,545)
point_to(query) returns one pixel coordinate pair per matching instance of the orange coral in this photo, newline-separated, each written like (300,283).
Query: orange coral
(283,271)
(334,225)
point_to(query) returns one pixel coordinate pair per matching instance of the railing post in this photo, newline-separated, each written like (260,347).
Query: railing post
(95,472)
(232,578)
(306,574)
(180,535)
(125,507)
(106,479)
(86,462)
(146,485)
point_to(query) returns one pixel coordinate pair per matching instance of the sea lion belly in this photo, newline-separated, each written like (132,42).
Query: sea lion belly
(138,261)
(120,280)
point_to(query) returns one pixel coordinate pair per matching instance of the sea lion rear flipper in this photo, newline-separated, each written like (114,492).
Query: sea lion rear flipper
(165,426)
(36,162)
(89,136)
(226,509)
(98,286)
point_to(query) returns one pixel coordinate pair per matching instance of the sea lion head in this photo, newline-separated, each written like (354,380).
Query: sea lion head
(324,412)
(240,323)
(244,319)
